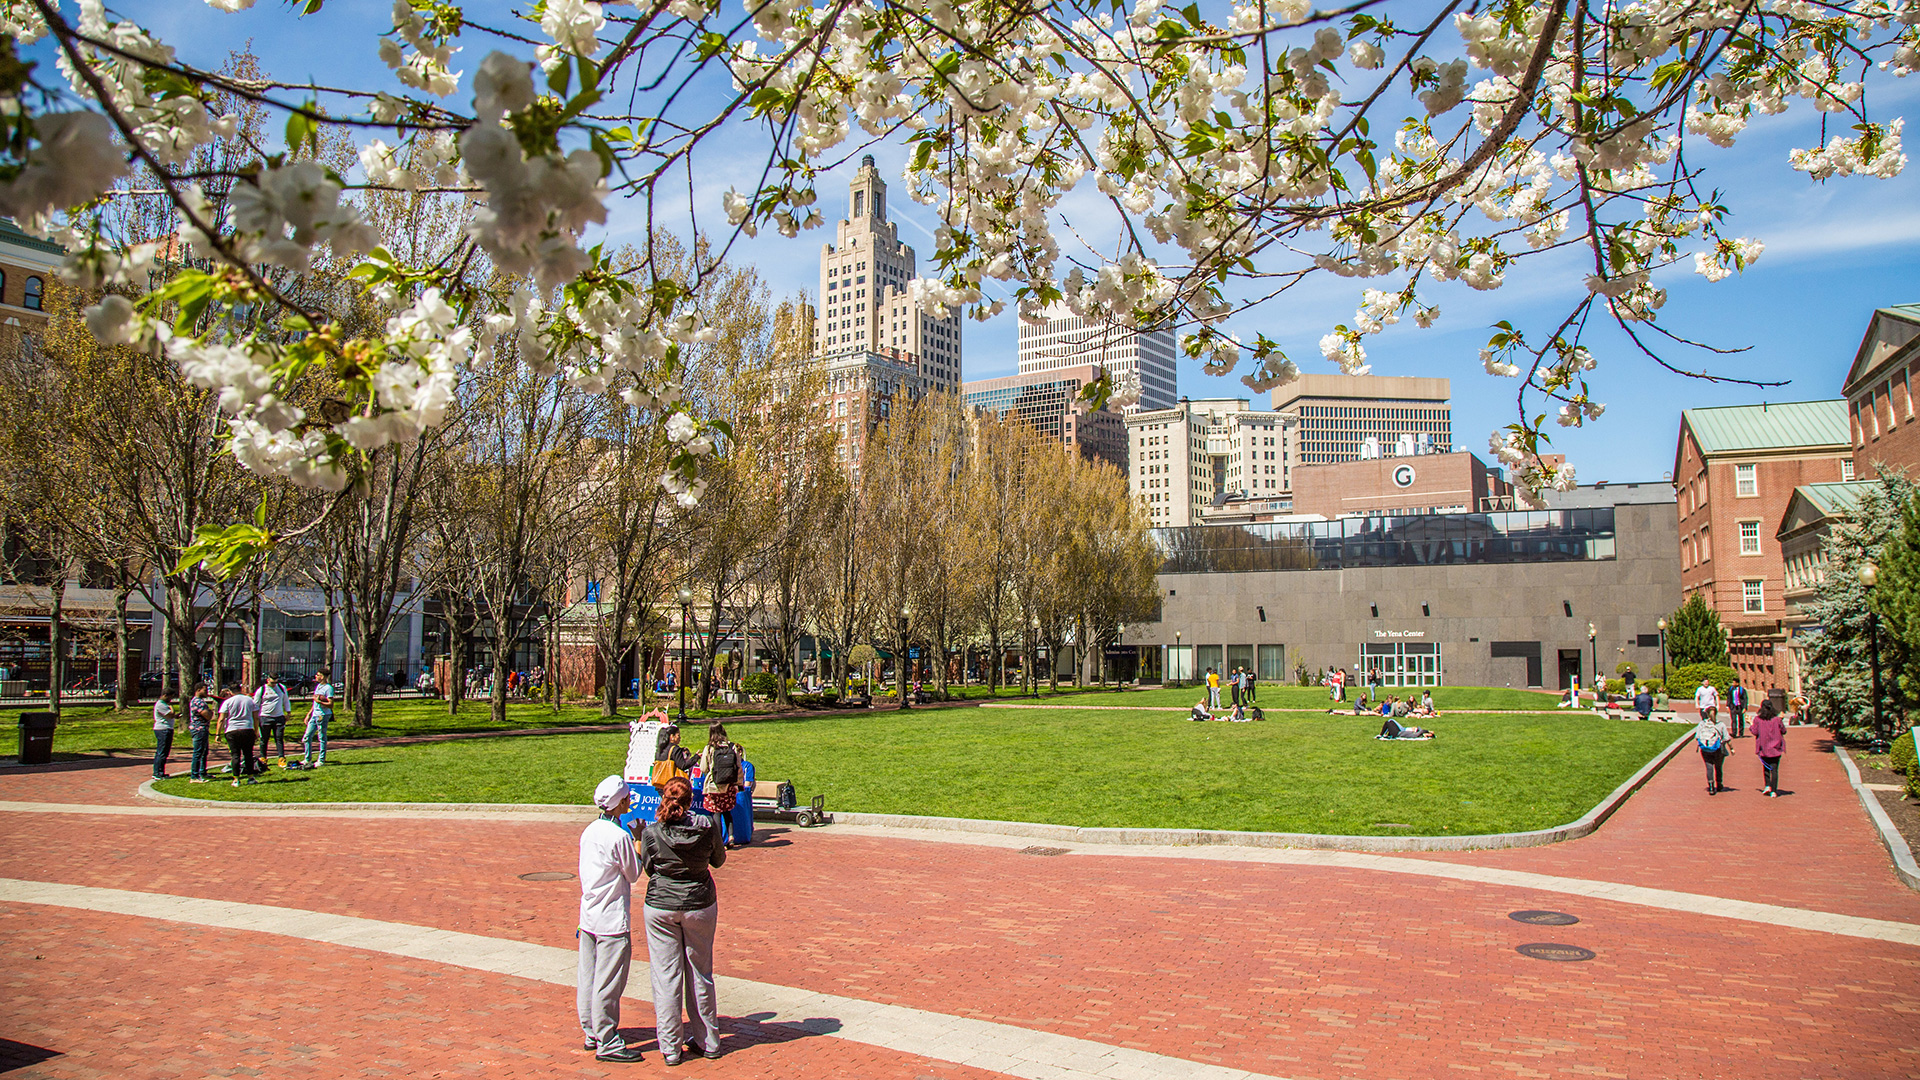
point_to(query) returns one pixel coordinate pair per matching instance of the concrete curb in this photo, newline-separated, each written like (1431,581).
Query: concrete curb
(1201,837)
(1903,863)
(146,791)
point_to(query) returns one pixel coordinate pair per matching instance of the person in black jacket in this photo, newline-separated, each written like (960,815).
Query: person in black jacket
(682,911)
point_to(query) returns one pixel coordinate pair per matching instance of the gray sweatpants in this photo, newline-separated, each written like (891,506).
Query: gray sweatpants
(603,978)
(680,951)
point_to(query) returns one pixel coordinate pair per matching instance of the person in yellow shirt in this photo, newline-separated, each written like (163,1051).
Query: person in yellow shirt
(1213,689)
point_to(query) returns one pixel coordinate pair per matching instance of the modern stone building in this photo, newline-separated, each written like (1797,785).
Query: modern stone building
(1044,400)
(1349,417)
(1735,469)
(1201,453)
(1497,599)
(1064,339)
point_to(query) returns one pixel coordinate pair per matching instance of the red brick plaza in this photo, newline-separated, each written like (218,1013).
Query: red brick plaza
(1735,936)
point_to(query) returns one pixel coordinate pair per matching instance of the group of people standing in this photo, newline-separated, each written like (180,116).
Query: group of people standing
(1240,682)
(1714,736)
(677,852)
(247,722)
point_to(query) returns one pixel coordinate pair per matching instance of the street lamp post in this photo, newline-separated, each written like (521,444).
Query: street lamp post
(1869,575)
(1599,682)
(686,616)
(1175,658)
(1664,688)
(1033,661)
(900,659)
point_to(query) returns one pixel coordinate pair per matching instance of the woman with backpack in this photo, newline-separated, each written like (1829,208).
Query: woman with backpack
(720,779)
(678,850)
(1710,735)
(1769,742)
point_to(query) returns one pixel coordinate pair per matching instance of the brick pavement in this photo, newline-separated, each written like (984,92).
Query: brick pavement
(114,997)
(1290,970)
(1812,848)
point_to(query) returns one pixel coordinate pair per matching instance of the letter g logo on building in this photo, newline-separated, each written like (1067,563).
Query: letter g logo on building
(1403,476)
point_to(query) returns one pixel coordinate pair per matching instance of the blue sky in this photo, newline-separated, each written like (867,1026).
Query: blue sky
(1835,251)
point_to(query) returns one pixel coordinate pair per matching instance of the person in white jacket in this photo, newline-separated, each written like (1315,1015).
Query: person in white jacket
(274,703)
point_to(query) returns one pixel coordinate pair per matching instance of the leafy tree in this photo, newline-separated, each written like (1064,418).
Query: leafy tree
(1839,678)
(1896,599)
(1694,635)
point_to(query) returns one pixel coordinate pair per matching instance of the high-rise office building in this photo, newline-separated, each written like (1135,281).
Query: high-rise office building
(1351,417)
(1044,400)
(864,305)
(1066,340)
(1199,453)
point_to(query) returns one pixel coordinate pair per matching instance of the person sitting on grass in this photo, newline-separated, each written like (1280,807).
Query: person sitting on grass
(1200,711)
(1238,715)
(1362,706)
(1386,706)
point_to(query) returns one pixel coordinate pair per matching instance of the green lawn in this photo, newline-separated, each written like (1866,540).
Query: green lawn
(1093,767)
(1276,696)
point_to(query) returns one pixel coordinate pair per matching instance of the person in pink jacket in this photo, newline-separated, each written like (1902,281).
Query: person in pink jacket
(1769,741)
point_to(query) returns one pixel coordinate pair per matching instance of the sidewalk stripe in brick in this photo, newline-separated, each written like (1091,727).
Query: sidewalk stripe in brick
(1002,1048)
(1772,914)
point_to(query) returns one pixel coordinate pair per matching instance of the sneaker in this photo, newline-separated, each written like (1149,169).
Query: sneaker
(711,1055)
(590,1045)
(159,776)
(625,1053)
(670,1059)
(198,780)
(251,780)
(236,783)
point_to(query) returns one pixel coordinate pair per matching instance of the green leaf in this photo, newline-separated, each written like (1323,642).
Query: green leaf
(225,551)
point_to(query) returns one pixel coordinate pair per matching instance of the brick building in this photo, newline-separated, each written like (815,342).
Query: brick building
(1421,484)
(27,264)
(1879,391)
(1735,470)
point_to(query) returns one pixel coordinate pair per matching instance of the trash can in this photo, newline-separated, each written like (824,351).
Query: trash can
(36,737)
(1779,699)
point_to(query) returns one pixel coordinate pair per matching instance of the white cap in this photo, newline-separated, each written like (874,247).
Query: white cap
(611,792)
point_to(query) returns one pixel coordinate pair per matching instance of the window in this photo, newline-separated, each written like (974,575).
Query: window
(1746,484)
(1752,597)
(1749,538)
(1846,470)
(32,297)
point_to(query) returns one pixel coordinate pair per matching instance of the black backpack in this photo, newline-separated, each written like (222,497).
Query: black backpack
(726,765)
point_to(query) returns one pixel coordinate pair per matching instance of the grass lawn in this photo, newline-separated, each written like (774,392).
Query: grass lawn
(1276,696)
(1093,767)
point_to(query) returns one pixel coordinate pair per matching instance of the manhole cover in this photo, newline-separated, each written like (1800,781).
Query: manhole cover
(1546,950)
(548,875)
(1043,851)
(1544,918)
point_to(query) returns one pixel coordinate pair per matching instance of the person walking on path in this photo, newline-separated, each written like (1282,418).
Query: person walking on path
(319,715)
(274,705)
(1737,709)
(609,865)
(237,720)
(1707,701)
(162,737)
(1710,735)
(1769,742)
(200,711)
(677,853)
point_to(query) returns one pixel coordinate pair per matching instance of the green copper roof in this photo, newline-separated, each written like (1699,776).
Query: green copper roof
(1910,312)
(1834,500)
(11,234)
(1769,427)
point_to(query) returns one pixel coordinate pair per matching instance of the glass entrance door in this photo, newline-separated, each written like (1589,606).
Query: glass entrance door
(1401,663)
